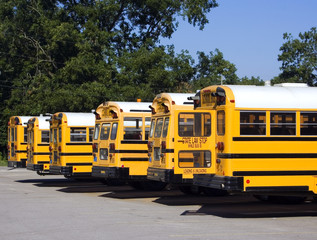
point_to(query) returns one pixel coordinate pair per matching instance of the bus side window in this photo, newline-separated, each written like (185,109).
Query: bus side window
(91,133)
(308,123)
(252,123)
(25,135)
(45,136)
(283,123)
(147,127)
(78,134)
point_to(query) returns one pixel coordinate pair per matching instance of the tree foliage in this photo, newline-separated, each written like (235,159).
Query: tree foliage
(299,58)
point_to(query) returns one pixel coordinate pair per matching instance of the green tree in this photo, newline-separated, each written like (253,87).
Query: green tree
(70,55)
(213,69)
(299,58)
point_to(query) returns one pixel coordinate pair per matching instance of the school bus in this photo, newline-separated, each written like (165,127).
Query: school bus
(38,145)
(265,141)
(70,144)
(120,143)
(177,128)
(17,141)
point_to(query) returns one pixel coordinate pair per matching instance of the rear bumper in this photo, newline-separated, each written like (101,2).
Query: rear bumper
(17,164)
(34,167)
(167,176)
(58,170)
(219,182)
(114,173)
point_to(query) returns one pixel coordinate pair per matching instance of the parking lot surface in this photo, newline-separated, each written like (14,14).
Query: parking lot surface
(52,207)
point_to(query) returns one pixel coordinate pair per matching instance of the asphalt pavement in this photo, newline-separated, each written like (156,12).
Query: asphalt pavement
(54,208)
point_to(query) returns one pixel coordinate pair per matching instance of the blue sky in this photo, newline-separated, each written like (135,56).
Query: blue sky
(248,32)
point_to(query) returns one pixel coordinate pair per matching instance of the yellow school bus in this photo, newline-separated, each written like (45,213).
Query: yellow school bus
(120,143)
(266,139)
(38,145)
(17,141)
(70,144)
(179,140)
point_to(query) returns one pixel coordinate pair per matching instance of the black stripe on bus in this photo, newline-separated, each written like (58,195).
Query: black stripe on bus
(140,110)
(41,153)
(301,139)
(24,143)
(75,154)
(135,159)
(267,155)
(274,173)
(20,151)
(278,189)
(167,150)
(43,162)
(79,144)
(43,144)
(133,142)
(78,164)
(128,151)
(186,160)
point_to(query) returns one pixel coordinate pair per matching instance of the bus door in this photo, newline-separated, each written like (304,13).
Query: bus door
(103,143)
(194,143)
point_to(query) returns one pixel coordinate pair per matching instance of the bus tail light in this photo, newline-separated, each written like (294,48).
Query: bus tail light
(59,148)
(150,146)
(112,146)
(50,148)
(220,146)
(163,145)
(32,149)
(15,147)
(8,147)
(95,147)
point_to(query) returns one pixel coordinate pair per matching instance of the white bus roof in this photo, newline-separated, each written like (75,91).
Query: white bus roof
(24,119)
(80,119)
(181,98)
(290,97)
(134,106)
(43,124)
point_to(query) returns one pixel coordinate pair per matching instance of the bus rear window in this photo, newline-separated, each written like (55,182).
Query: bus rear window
(114,131)
(194,159)
(96,133)
(132,128)
(105,131)
(194,124)
(158,128)
(308,123)
(165,128)
(252,123)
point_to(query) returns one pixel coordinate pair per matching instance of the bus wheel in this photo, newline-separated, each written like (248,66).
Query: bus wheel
(153,185)
(213,192)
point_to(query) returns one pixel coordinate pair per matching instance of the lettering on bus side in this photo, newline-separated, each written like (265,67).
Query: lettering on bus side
(193,142)
(194,171)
